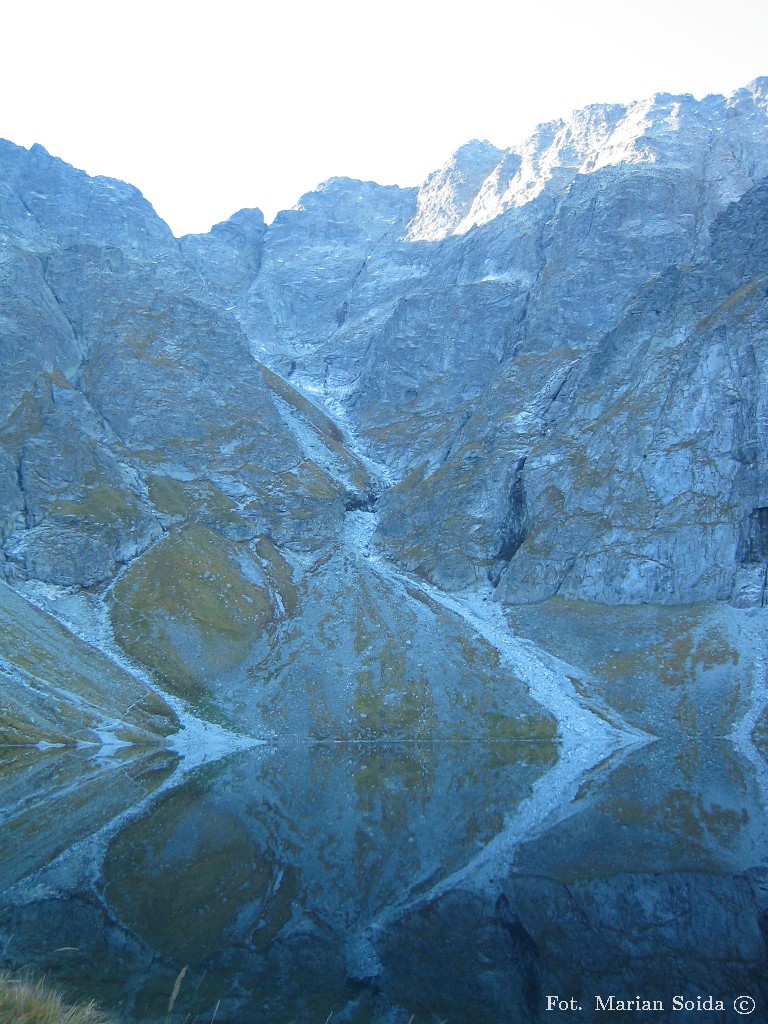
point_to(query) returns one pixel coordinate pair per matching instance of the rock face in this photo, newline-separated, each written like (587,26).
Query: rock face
(543,370)
(57,689)
(567,389)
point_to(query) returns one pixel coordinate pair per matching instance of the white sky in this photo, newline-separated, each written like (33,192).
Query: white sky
(210,107)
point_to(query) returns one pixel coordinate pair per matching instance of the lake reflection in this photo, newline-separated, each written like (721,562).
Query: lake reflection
(296,881)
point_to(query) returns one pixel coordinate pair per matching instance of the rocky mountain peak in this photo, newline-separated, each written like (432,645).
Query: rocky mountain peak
(759,88)
(447,195)
(664,132)
(45,198)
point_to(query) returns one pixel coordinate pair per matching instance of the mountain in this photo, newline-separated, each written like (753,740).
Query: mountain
(457,496)
(541,373)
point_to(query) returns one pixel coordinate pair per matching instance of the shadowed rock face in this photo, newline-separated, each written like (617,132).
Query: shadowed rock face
(637,469)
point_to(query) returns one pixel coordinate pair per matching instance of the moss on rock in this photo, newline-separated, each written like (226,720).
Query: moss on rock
(190,609)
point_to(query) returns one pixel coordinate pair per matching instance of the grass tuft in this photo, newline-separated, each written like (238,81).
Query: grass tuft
(24,1000)
(176,987)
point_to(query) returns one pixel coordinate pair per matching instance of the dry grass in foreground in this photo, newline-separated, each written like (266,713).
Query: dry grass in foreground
(26,1001)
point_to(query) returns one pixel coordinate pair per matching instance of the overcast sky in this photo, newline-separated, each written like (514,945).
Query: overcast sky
(211,107)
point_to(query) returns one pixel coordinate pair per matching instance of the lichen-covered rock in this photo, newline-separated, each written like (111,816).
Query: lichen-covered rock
(11,500)
(86,510)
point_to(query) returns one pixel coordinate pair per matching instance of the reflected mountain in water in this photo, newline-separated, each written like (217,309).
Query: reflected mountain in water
(298,880)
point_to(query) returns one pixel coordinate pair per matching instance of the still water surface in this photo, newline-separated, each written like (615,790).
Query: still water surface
(299,881)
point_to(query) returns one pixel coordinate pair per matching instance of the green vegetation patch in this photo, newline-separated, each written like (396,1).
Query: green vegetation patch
(26,420)
(18,727)
(311,481)
(384,707)
(198,500)
(679,667)
(101,504)
(279,574)
(188,611)
(760,734)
